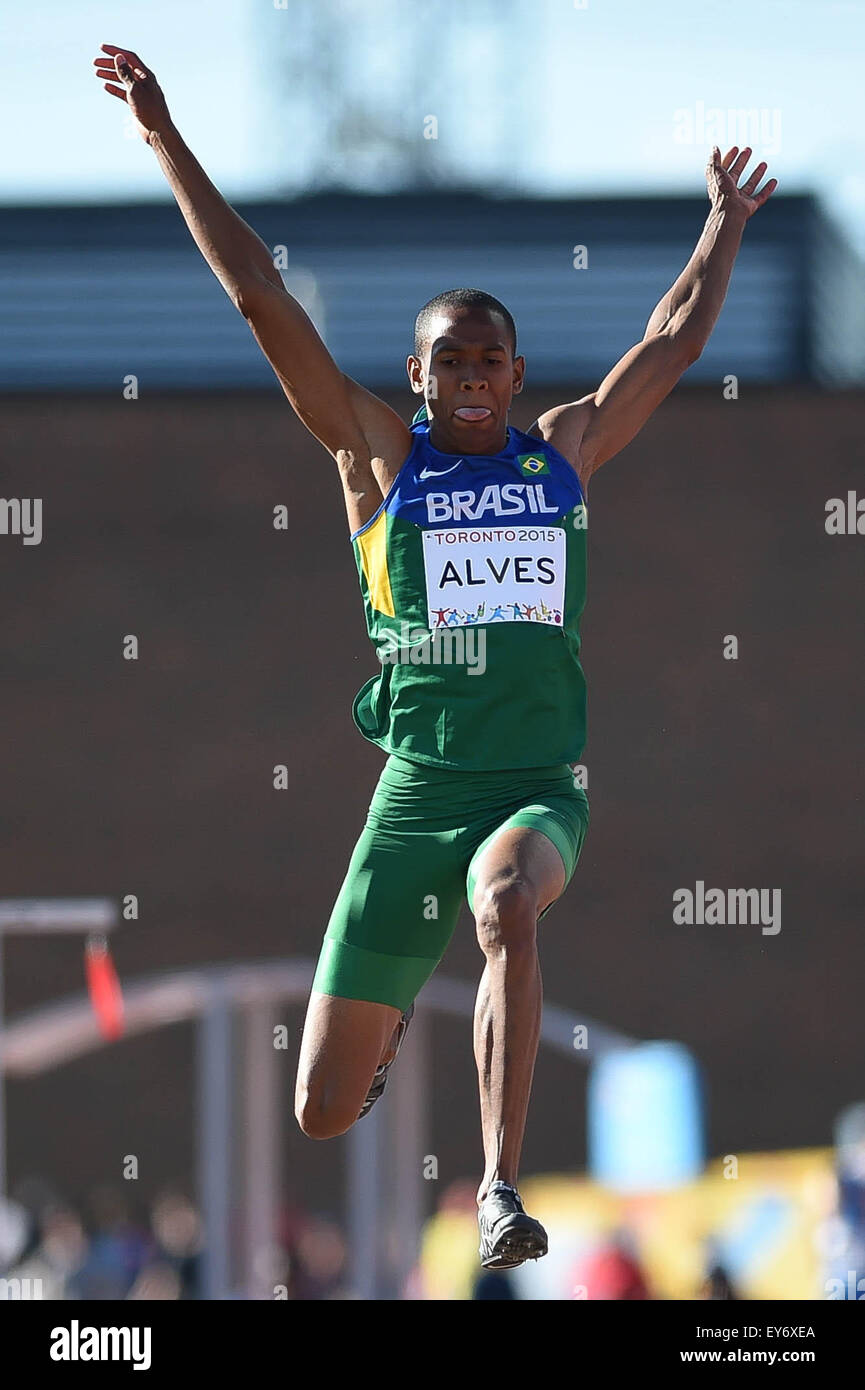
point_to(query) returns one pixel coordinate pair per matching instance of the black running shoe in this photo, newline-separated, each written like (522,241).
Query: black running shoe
(380,1079)
(508,1236)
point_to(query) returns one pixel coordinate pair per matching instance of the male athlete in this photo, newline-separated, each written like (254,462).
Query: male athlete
(454,516)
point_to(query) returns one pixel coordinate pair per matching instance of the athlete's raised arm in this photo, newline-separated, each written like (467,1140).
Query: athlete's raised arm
(592,430)
(368,440)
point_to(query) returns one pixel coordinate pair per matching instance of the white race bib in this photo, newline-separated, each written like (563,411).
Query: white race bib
(491,574)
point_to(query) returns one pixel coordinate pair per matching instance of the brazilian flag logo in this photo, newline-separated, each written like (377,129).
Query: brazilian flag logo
(535,464)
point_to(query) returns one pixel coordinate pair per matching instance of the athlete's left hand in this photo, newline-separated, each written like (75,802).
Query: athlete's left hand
(722,178)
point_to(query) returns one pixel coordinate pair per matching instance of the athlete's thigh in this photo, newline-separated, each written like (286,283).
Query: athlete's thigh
(393,916)
(517,854)
(390,925)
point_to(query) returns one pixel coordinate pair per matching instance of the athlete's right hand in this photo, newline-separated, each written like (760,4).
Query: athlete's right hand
(140,89)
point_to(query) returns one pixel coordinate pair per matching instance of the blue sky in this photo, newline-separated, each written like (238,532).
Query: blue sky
(544,95)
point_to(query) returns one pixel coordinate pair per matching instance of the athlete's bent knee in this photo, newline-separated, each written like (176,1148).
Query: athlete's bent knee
(506,913)
(321,1122)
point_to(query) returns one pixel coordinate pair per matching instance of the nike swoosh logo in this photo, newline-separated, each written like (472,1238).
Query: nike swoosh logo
(436,473)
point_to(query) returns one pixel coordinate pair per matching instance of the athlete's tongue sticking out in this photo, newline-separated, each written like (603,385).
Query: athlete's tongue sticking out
(466,412)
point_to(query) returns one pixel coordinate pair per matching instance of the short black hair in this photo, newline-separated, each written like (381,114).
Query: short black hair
(461,299)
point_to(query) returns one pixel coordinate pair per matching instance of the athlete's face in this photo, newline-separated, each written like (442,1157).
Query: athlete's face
(468,377)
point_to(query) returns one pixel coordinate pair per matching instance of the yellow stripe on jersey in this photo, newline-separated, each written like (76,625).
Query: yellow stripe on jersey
(373,555)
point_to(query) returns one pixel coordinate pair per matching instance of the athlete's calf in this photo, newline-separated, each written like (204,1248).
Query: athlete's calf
(519,874)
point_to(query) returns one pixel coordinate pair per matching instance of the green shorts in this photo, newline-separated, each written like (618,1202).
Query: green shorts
(414,865)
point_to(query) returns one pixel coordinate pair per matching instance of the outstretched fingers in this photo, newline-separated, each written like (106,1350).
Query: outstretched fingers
(750,187)
(765,193)
(121,64)
(111,76)
(132,58)
(733,165)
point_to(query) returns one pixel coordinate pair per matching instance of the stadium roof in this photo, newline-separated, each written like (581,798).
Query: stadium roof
(94,294)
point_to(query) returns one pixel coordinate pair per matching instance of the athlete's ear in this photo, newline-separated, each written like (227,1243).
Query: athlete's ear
(519,374)
(414,367)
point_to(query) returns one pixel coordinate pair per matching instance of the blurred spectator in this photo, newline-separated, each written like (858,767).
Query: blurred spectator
(850,1167)
(840,1249)
(16,1233)
(491,1283)
(717,1284)
(320,1260)
(612,1271)
(113,1254)
(119,1247)
(156,1281)
(57,1253)
(179,1236)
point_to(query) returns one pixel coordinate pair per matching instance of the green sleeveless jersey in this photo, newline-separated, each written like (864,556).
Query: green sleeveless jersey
(473,575)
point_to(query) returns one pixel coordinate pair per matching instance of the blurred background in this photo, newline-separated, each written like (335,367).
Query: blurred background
(697,1125)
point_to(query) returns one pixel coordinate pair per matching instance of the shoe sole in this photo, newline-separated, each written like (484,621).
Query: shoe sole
(524,1241)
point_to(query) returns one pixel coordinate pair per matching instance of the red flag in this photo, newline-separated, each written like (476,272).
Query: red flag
(104,987)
